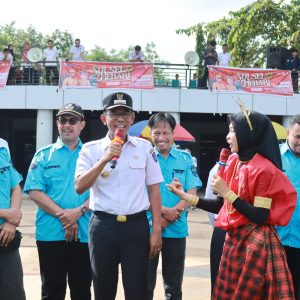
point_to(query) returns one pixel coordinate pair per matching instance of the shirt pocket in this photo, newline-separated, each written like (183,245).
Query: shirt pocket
(55,178)
(136,170)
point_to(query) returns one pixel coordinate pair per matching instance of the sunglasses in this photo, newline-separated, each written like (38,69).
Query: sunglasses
(71,120)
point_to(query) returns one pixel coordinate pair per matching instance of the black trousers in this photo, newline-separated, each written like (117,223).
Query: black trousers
(173,257)
(113,242)
(61,261)
(295,78)
(55,75)
(216,249)
(11,276)
(293,260)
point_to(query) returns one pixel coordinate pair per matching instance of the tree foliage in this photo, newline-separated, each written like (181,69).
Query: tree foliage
(63,41)
(251,30)
(9,34)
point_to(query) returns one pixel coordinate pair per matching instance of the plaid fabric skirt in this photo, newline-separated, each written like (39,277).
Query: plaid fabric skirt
(253,266)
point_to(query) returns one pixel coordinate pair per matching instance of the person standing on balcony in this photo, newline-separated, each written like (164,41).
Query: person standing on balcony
(28,71)
(210,58)
(293,64)
(137,55)
(77,51)
(224,57)
(51,62)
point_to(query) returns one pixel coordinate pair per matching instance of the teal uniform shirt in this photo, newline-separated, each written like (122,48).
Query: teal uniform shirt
(289,234)
(179,164)
(52,171)
(9,178)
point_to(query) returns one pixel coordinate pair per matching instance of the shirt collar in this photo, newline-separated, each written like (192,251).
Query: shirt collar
(172,152)
(285,148)
(59,144)
(107,140)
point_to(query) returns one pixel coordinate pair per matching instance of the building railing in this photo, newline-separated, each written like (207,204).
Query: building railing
(46,73)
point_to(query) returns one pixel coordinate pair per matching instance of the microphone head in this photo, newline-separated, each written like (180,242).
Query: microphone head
(224,154)
(119,133)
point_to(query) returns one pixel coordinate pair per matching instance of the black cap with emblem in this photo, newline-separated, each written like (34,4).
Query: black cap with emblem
(117,100)
(71,109)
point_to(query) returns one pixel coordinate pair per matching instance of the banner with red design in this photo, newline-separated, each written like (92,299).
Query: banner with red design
(4,70)
(256,81)
(74,75)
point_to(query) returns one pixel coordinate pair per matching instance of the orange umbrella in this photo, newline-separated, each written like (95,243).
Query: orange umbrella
(141,129)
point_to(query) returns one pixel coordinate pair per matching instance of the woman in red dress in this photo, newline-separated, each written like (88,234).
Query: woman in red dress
(254,196)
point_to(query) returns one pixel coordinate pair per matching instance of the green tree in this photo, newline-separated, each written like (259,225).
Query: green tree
(252,29)
(9,34)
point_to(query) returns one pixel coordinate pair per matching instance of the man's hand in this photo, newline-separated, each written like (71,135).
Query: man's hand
(164,223)
(172,214)
(114,149)
(7,233)
(13,216)
(72,233)
(155,243)
(68,217)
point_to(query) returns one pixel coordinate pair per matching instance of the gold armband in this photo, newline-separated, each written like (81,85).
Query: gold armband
(192,199)
(231,196)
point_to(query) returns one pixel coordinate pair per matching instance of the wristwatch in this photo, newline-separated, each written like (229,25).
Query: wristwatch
(83,209)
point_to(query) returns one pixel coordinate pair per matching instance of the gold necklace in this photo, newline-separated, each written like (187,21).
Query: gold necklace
(229,207)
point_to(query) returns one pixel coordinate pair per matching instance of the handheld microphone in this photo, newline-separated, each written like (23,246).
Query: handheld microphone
(224,154)
(118,138)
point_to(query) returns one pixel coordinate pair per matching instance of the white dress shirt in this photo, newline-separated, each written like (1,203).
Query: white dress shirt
(123,190)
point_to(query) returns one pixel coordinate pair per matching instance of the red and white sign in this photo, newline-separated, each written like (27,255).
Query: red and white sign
(74,75)
(255,81)
(4,70)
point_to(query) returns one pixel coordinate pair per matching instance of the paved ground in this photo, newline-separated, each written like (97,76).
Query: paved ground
(196,284)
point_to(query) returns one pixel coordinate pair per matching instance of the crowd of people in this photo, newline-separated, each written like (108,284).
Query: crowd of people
(223,59)
(122,201)
(30,72)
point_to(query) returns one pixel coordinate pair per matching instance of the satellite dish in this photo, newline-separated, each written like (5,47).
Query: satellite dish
(191,58)
(35,54)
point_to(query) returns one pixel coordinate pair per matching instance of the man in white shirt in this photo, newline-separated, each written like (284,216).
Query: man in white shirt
(77,51)
(5,55)
(51,55)
(120,195)
(224,56)
(137,55)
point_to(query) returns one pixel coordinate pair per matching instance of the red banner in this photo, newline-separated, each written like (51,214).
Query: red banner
(4,70)
(256,81)
(74,75)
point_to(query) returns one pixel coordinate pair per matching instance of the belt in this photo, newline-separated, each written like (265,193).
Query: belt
(121,218)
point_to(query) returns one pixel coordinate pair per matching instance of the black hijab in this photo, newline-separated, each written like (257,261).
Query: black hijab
(261,139)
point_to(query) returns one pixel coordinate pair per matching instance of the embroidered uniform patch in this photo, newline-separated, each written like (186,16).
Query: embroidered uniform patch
(194,170)
(154,156)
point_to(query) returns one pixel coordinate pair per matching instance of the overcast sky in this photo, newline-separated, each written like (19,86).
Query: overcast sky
(116,24)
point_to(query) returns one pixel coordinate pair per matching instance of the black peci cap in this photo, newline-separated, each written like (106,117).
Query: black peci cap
(117,100)
(71,109)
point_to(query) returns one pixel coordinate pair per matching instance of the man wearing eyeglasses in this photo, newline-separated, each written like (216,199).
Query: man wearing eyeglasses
(120,196)
(63,215)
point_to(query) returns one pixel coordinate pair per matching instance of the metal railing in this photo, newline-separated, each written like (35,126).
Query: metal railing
(40,73)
